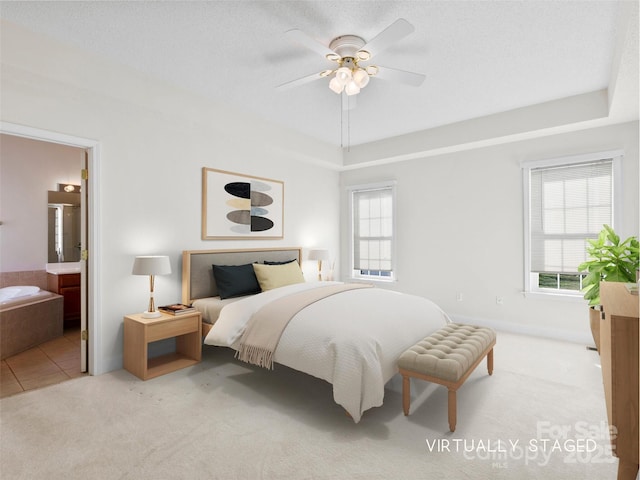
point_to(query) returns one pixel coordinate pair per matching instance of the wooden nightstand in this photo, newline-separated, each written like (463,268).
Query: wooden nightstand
(139,332)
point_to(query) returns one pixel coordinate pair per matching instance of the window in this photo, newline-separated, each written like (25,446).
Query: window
(567,201)
(372,227)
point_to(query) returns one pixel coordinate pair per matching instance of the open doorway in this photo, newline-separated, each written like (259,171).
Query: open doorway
(82,292)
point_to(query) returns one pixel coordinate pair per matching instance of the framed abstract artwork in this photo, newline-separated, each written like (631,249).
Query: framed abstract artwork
(237,206)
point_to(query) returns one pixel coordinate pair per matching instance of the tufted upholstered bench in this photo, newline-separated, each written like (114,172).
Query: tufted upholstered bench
(446,357)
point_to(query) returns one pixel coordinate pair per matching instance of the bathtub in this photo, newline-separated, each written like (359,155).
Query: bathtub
(19,294)
(28,317)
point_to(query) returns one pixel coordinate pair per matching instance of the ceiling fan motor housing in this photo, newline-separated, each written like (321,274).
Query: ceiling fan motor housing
(347,45)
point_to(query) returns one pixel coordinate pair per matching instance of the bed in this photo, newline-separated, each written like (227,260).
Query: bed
(350,336)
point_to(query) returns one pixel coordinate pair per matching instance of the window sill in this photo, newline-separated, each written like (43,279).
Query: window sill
(561,297)
(372,280)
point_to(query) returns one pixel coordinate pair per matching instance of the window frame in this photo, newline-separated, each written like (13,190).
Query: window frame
(531,288)
(351,190)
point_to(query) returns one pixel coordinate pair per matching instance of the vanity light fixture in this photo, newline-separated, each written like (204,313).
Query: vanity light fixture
(151,265)
(68,187)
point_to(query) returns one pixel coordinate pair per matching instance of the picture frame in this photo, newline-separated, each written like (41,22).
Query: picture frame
(236,206)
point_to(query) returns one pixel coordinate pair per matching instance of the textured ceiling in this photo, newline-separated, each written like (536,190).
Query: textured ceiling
(479,57)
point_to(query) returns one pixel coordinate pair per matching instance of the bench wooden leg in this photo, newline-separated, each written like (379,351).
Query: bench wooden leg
(452,410)
(406,394)
(490,362)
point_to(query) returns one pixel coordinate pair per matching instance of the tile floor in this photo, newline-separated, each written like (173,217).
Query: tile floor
(51,362)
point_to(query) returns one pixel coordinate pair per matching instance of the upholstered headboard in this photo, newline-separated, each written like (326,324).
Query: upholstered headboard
(197,267)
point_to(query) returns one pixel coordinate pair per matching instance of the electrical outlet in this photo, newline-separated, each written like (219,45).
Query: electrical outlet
(499,300)
(459,296)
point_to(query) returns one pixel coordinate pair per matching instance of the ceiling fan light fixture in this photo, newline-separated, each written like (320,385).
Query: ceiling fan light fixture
(343,74)
(352,88)
(333,57)
(361,78)
(336,85)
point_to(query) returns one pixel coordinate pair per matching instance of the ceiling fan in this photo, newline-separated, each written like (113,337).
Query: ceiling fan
(351,52)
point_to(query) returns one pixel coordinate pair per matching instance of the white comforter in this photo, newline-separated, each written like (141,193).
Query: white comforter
(352,339)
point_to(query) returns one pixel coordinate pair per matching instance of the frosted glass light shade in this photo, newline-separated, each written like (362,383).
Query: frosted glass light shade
(336,86)
(352,88)
(361,78)
(343,74)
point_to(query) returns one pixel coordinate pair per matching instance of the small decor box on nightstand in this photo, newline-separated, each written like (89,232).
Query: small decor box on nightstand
(139,332)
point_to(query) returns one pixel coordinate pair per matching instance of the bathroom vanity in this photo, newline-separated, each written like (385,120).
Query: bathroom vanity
(66,282)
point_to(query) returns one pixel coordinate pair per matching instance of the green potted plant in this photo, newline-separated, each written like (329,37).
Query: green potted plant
(610,260)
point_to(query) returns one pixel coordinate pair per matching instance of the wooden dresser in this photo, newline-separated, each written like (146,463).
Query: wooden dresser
(619,358)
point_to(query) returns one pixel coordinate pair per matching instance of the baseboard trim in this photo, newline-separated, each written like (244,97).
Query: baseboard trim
(531,330)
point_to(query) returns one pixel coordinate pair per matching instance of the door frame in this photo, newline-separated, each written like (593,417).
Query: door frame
(91,300)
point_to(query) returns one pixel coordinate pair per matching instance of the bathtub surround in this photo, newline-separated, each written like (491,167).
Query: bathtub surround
(29,322)
(27,277)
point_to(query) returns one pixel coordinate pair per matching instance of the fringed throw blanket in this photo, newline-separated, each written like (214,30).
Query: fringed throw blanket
(260,339)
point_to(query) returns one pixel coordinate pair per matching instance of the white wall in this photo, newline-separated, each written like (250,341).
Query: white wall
(153,142)
(28,170)
(460,228)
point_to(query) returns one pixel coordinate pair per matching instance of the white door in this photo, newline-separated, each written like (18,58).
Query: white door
(84,274)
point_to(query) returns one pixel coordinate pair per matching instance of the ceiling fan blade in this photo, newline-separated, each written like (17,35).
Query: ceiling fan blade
(301,38)
(401,76)
(299,81)
(348,101)
(393,33)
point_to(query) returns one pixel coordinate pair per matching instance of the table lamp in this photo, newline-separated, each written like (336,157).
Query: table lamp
(319,255)
(151,265)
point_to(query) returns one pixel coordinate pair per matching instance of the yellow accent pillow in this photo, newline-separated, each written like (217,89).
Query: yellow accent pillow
(274,276)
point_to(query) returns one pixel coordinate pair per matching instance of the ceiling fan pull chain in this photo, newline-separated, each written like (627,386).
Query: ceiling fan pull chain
(348,126)
(341,125)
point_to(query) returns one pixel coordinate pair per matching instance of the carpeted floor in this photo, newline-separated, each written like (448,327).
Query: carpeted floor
(541,415)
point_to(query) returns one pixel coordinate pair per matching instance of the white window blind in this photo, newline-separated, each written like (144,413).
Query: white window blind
(568,204)
(372,226)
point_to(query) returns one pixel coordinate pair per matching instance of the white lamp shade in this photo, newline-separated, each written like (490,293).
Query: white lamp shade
(319,254)
(151,265)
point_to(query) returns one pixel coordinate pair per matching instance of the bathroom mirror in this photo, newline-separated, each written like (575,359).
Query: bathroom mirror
(64,227)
